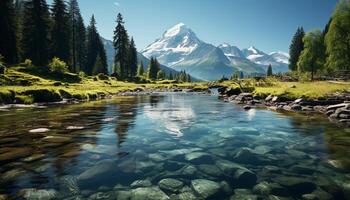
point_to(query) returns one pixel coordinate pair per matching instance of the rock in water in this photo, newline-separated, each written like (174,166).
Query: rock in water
(205,188)
(141,183)
(39,130)
(15,153)
(296,185)
(38,194)
(245,178)
(170,185)
(148,193)
(100,170)
(199,157)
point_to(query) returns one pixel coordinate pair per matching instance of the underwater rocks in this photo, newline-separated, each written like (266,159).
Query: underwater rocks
(199,157)
(38,194)
(10,154)
(39,130)
(170,184)
(205,188)
(100,170)
(340,113)
(148,193)
(296,185)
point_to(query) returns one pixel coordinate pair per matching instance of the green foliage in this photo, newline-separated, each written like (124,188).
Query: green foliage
(24,99)
(132,59)
(8,39)
(2,65)
(338,38)
(160,75)
(269,71)
(153,69)
(58,66)
(295,49)
(60,31)
(35,43)
(140,70)
(27,63)
(312,58)
(121,46)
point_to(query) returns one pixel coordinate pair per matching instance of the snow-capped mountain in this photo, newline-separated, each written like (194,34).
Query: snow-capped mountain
(179,48)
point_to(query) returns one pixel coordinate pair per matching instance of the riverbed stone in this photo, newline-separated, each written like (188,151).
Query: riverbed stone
(15,153)
(11,175)
(210,170)
(39,130)
(148,193)
(57,139)
(205,188)
(99,170)
(141,183)
(123,195)
(170,185)
(34,157)
(186,196)
(38,194)
(199,157)
(243,194)
(164,145)
(248,156)
(296,185)
(244,178)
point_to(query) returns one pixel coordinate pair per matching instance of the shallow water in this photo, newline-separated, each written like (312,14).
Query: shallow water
(124,148)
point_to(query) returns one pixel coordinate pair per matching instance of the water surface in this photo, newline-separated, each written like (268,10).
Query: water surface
(124,148)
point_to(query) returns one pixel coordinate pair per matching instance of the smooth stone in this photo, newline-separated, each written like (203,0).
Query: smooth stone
(170,185)
(226,187)
(177,152)
(75,128)
(243,194)
(39,130)
(148,193)
(185,196)
(210,170)
(248,156)
(199,157)
(123,195)
(262,189)
(57,139)
(34,157)
(189,170)
(141,183)
(296,185)
(15,153)
(245,178)
(98,170)
(156,157)
(164,145)
(11,175)
(262,149)
(38,194)
(205,188)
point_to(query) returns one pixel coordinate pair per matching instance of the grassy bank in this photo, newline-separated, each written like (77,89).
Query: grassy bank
(22,85)
(291,90)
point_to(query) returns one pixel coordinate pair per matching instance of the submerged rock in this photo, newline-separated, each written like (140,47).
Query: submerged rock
(170,185)
(249,156)
(38,194)
(243,194)
(244,178)
(11,175)
(296,185)
(141,183)
(39,130)
(210,170)
(57,139)
(199,157)
(99,171)
(15,153)
(205,188)
(148,193)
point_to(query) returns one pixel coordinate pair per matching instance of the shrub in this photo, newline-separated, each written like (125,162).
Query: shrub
(82,74)
(27,63)
(58,66)
(23,99)
(102,76)
(2,65)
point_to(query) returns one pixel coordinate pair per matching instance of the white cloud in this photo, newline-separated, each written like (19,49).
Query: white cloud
(116,4)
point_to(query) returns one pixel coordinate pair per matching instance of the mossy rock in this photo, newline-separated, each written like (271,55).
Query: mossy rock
(23,99)
(103,77)
(44,95)
(7,97)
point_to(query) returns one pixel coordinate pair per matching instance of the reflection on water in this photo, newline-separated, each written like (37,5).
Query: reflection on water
(177,146)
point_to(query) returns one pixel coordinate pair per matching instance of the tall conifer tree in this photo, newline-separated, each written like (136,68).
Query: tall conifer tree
(121,44)
(8,40)
(132,63)
(295,49)
(60,32)
(35,32)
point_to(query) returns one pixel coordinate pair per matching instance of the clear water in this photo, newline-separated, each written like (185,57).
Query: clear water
(97,150)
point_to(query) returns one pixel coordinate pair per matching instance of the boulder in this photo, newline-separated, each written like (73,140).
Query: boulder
(244,178)
(243,194)
(199,157)
(296,107)
(148,193)
(248,156)
(296,185)
(210,170)
(170,185)
(335,107)
(38,194)
(205,188)
(233,91)
(269,98)
(100,170)
(141,183)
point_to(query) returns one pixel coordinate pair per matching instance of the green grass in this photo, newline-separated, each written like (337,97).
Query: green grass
(29,86)
(292,90)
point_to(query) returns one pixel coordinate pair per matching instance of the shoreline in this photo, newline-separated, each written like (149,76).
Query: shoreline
(336,108)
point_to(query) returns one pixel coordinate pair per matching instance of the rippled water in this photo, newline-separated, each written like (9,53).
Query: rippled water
(177,146)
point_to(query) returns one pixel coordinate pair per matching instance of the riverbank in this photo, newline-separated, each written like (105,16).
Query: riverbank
(329,98)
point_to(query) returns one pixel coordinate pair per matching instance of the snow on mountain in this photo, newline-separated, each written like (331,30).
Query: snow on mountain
(179,48)
(175,44)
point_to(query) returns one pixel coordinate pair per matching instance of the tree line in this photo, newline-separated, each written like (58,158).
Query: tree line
(323,52)
(33,30)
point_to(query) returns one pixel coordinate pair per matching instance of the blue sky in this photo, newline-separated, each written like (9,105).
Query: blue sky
(266,24)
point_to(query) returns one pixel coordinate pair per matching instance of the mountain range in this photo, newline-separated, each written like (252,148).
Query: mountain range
(179,48)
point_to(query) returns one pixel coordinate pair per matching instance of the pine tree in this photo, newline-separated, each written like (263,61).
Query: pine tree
(92,46)
(296,48)
(140,70)
(132,59)
(35,32)
(160,75)
(77,37)
(121,44)
(8,40)
(103,57)
(153,69)
(337,38)
(269,71)
(60,32)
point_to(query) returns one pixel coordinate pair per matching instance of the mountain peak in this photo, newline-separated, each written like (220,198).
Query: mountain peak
(177,29)
(224,45)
